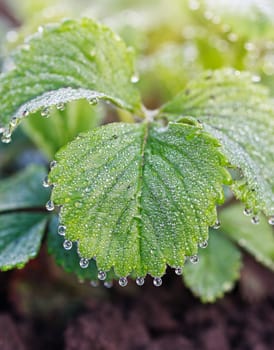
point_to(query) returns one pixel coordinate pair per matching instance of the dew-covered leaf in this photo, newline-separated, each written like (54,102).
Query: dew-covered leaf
(64,62)
(20,238)
(69,259)
(50,134)
(24,190)
(257,239)
(240,114)
(139,196)
(217,270)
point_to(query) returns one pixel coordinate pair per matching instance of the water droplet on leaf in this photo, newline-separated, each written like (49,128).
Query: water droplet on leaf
(67,244)
(271,220)
(84,263)
(135,78)
(46,182)
(60,106)
(50,205)
(140,281)
(255,220)
(62,230)
(52,164)
(45,112)
(157,281)
(178,271)
(194,259)
(203,244)
(123,281)
(217,225)
(108,284)
(247,211)
(102,275)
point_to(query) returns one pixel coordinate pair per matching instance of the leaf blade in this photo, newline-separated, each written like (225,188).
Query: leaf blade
(68,61)
(120,185)
(241,115)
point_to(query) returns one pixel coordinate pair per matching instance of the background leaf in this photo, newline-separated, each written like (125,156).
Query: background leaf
(128,198)
(20,238)
(258,240)
(241,115)
(24,190)
(217,270)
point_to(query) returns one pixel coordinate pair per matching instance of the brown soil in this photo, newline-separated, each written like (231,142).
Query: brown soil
(41,307)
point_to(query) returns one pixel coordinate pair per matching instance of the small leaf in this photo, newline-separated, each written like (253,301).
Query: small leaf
(23,190)
(258,240)
(20,238)
(139,196)
(240,114)
(64,62)
(217,270)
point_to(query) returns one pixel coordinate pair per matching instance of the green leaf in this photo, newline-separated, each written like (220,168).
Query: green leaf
(24,190)
(139,196)
(258,240)
(20,238)
(241,115)
(217,270)
(63,126)
(69,259)
(65,62)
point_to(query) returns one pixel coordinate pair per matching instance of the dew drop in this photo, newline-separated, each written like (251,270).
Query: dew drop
(203,244)
(45,112)
(123,281)
(25,113)
(217,225)
(46,182)
(140,281)
(67,244)
(94,284)
(62,230)
(178,271)
(247,211)
(50,205)
(135,78)
(13,122)
(84,263)
(6,138)
(102,275)
(271,220)
(93,100)
(52,164)
(194,259)
(108,284)
(60,106)
(157,281)
(255,220)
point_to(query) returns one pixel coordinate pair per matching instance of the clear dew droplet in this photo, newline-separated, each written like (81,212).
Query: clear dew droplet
(203,244)
(217,225)
(84,263)
(50,205)
(255,220)
(62,230)
(46,182)
(67,244)
(45,112)
(123,281)
(271,220)
(157,281)
(52,164)
(135,78)
(93,100)
(94,284)
(25,113)
(247,211)
(194,259)
(13,122)
(140,281)
(60,106)
(108,284)
(6,138)
(102,275)
(178,271)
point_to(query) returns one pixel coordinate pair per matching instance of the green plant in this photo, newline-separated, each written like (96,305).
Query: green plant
(141,195)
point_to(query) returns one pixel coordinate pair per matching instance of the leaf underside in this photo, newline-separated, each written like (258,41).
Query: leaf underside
(218,269)
(139,196)
(65,62)
(258,240)
(241,115)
